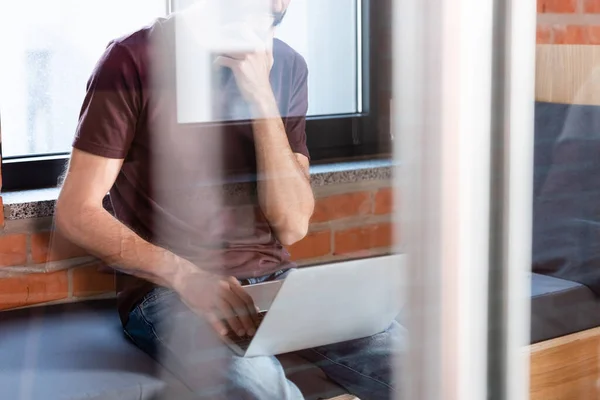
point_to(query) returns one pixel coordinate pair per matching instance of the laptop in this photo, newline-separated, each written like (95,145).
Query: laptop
(325,304)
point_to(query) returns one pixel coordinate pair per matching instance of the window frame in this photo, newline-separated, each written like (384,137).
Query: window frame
(348,136)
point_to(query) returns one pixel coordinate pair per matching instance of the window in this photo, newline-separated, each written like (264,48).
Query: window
(329,46)
(48,56)
(347,78)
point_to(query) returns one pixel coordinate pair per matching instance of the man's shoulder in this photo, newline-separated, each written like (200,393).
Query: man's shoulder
(138,42)
(285,53)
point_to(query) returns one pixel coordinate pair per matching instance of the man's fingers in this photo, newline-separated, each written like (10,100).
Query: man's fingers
(217,324)
(230,317)
(235,56)
(239,307)
(239,291)
(226,62)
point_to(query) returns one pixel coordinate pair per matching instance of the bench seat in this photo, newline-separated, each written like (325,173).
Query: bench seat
(560,307)
(78,351)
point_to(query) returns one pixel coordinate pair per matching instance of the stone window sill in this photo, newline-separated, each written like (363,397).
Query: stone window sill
(40,203)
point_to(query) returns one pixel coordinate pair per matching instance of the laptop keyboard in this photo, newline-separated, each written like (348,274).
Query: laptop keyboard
(243,342)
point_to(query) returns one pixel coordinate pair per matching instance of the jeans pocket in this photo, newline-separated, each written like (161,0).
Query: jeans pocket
(158,294)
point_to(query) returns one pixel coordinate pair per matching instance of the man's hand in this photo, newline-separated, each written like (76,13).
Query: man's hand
(221,300)
(251,71)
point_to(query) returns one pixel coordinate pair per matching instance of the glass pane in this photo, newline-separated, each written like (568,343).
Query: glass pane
(325,33)
(329,46)
(47,58)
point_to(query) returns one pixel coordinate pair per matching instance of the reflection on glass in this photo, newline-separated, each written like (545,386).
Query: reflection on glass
(325,33)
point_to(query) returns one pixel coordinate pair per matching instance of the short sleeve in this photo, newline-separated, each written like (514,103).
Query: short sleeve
(295,124)
(110,109)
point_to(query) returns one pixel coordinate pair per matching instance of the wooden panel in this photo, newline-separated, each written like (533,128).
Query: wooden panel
(568,74)
(566,368)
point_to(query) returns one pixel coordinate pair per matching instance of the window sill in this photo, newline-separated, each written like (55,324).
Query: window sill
(40,203)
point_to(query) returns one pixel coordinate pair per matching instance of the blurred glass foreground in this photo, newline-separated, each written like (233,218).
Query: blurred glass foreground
(464,79)
(308,199)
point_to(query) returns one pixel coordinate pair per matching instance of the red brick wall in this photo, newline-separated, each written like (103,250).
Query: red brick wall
(568,22)
(64,271)
(349,221)
(347,225)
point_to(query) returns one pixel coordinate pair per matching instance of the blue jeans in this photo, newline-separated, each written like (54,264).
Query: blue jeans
(185,344)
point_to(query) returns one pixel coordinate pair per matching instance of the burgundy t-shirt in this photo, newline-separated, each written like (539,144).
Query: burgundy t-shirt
(189,188)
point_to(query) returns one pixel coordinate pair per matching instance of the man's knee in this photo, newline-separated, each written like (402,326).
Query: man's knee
(261,378)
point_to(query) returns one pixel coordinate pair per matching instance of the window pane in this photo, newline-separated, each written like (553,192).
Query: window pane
(325,33)
(47,57)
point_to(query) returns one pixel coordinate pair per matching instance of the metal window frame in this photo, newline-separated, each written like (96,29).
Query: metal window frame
(329,138)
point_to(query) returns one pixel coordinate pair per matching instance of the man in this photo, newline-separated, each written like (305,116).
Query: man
(187,234)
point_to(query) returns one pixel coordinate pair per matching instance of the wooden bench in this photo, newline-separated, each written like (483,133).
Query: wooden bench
(568,367)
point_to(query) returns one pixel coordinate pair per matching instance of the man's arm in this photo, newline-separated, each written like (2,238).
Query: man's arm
(284,190)
(81,218)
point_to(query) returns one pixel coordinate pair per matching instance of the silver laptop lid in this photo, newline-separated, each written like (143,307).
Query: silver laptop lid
(332,303)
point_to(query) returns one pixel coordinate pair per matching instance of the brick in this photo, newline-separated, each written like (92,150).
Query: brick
(90,280)
(315,244)
(359,254)
(593,34)
(570,34)
(591,6)
(342,206)
(13,250)
(544,34)
(557,6)
(384,201)
(52,246)
(363,238)
(33,289)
